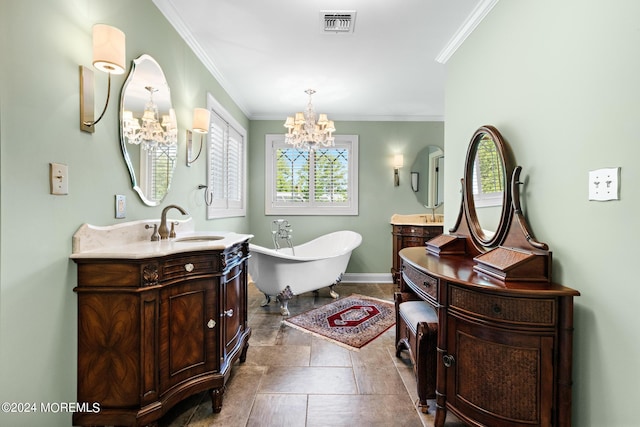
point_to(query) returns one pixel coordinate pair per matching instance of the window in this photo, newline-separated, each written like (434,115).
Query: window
(226,164)
(488,174)
(323,181)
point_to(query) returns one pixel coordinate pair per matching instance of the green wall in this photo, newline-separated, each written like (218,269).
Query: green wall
(42,45)
(379,199)
(561,81)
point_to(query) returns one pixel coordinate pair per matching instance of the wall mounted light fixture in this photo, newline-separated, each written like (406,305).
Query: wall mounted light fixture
(108,56)
(201,118)
(415,181)
(398,162)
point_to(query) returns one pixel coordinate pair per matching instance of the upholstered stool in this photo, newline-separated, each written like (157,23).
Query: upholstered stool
(417,332)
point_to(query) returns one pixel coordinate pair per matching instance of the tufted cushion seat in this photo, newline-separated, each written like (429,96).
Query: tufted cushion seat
(417,332)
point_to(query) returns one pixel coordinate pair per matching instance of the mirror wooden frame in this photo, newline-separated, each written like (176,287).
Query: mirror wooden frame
(478,237)
(512,253)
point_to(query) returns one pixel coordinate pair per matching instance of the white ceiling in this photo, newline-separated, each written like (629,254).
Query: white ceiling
(266,53)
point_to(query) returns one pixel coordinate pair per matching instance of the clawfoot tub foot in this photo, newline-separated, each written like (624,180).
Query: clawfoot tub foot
(332,291)
(266,301)
(284,298)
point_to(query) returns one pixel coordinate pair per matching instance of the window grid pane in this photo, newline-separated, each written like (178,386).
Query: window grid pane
(331,179)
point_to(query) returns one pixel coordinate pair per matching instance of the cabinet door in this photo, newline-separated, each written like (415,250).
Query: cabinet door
(233,310)
(188,326)
(499,376)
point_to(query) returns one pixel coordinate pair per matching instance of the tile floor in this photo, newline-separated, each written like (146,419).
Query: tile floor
(292,379)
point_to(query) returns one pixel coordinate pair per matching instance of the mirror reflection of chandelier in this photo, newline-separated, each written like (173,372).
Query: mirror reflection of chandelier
(307,133)
(148,131)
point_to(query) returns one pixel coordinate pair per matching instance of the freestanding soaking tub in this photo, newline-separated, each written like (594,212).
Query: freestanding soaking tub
(316,264)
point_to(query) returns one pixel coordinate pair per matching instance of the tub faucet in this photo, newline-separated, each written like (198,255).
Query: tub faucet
(164,230)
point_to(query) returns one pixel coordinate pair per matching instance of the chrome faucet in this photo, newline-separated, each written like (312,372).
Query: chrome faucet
(164,230)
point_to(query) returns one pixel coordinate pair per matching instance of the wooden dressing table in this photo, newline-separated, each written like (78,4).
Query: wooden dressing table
(504,329)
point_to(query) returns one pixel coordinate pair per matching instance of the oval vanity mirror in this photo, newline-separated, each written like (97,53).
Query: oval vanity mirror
(148,130)
(427,176)
(487,193)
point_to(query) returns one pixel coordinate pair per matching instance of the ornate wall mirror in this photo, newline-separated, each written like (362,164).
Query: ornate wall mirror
(491,226)
(148,130)
(427,175)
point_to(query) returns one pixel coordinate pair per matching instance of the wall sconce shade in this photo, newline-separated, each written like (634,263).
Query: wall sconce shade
(201,117)
(109,55)
(201,120)
(415,181)
(398,162)
(109,49)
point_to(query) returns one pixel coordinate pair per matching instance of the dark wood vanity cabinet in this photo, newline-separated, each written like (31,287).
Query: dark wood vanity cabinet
(154,331)
(504,350)
(406,236)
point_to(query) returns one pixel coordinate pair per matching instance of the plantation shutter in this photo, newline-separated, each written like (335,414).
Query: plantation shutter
(235,164)
(217,182)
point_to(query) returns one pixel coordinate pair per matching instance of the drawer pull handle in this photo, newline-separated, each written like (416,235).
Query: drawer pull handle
(496,309)
(211,324)
(189,267)
(448,360)
(228,313)
(426,284)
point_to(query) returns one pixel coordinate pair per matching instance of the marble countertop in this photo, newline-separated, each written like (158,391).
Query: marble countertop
(132,240)
(417,219)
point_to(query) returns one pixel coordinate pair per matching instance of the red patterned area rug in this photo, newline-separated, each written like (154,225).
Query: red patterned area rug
(351,322)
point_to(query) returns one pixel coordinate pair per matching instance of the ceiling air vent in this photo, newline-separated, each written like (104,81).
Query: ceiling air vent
(337,21)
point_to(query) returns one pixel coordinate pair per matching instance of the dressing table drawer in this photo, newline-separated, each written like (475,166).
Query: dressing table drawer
(423,284)
(533,311)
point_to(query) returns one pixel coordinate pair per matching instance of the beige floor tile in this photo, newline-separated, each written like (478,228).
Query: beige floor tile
(308,380)
(357,411)
(278,410)
(325,353)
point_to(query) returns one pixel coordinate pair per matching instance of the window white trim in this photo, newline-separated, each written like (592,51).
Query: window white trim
(227,155)
(273,206)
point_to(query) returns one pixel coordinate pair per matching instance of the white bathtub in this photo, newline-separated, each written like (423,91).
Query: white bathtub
(316,264)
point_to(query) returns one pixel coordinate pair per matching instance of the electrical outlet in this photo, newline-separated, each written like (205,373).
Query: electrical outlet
(604,184)
(59,179)
(121,206)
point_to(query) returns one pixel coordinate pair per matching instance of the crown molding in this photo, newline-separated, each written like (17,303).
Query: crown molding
(467,27)
(170,12)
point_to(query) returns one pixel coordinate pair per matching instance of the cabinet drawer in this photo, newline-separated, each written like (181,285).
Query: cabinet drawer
(191,265)
(413,241)
(535,311)
(423,284)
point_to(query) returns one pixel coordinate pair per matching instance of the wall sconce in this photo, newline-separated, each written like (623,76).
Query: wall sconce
(201,117)
(415,181)
(398,162)
(108,56)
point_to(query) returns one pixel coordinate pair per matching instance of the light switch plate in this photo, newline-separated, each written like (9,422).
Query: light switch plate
(59,179)
(121,206)
(604,184)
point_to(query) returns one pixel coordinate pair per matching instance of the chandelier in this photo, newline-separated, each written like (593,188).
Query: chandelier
(307,133)
(148,131)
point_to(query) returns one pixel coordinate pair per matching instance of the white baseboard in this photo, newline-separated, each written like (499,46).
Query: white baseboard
(367,278)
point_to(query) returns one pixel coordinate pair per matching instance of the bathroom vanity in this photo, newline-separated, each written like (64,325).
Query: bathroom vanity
(157,321)
(409,231)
